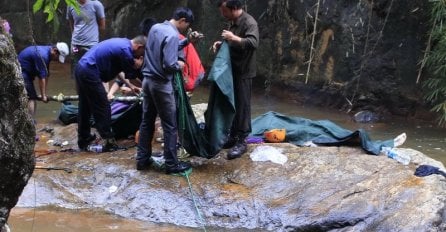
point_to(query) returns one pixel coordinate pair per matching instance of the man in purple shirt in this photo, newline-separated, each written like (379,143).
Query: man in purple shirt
(35,62)
(101,64)
(161,62)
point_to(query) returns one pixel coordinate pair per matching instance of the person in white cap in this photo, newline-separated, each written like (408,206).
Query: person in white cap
(35,62)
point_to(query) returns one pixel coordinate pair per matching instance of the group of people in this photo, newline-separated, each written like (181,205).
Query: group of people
(156,55)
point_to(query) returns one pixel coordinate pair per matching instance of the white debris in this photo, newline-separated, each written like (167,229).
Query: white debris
(268,153)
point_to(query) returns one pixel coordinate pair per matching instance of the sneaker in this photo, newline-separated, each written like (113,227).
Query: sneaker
(177,168)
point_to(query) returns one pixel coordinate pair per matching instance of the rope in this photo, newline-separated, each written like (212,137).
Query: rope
(187,174)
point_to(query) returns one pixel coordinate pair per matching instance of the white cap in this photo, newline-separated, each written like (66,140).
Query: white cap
(63,51)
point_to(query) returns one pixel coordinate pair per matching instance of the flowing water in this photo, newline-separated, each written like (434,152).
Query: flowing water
(422,136)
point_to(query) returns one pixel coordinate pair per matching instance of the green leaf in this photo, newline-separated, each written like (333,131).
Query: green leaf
(37,5)
(50,13)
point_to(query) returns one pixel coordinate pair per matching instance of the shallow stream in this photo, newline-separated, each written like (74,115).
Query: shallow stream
(422,136)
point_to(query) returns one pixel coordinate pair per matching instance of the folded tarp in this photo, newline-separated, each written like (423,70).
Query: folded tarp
(322,132)
(208,141)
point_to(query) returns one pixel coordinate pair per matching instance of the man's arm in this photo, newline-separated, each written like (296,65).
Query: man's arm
(100,18)
(71,22)
(121,77)
(43,85)
(101,24)
(112,91)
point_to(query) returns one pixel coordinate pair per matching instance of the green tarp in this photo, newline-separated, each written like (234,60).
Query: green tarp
(322,132)
(207,142)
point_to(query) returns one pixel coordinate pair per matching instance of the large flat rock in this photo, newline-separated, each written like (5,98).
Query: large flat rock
(317,189)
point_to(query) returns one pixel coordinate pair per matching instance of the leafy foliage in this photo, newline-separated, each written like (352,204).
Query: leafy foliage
(50,7)
(435,86)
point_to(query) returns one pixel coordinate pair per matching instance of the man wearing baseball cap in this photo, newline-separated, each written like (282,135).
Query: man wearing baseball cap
(63,51)
(35,62)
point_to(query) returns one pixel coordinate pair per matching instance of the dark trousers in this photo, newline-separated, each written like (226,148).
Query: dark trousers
(77,52)
(92,101)
(241,125)
(159,99)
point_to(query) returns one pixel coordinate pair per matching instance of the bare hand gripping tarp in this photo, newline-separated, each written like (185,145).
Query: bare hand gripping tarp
(208,142)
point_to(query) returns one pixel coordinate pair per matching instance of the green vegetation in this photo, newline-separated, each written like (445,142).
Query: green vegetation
(435,86)
(50,7)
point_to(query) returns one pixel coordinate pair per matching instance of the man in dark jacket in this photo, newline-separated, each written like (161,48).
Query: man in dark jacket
(243,39)
(163,58)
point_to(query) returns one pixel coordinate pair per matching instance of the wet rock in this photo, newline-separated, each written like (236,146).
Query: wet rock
(366,116)
(317,189)
(16,131)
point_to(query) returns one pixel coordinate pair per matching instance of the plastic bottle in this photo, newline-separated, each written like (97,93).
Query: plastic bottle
(398,156)
(95,148)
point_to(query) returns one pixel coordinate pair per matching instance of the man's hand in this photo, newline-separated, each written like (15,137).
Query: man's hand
(194,36)
(43,98)
(110,97)
(230,37)
(216,46)
(132,90)
(181,63)
(227,35)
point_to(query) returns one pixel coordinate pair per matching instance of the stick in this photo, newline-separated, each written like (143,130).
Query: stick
(312,42)
(68,170)
(62,98)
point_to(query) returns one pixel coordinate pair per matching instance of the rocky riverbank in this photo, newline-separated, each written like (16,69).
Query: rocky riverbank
(317,189)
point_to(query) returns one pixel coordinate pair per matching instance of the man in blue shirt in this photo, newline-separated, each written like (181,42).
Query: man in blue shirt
(100,64)
(35,62)
(161,62)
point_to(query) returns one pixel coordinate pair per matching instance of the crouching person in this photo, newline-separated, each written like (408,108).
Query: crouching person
(101,64)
